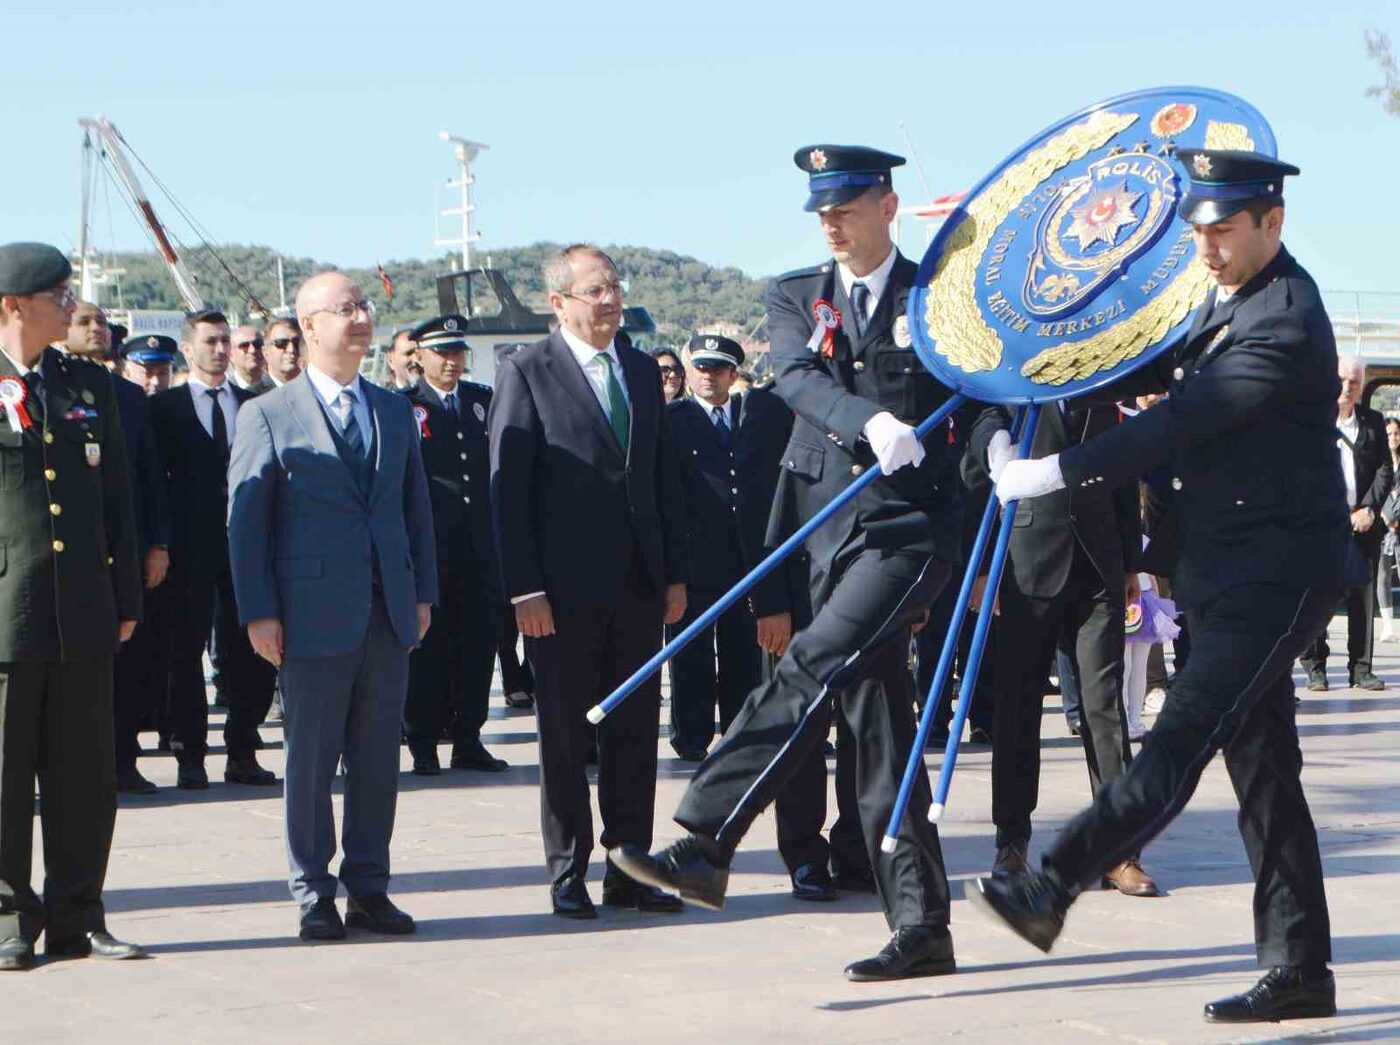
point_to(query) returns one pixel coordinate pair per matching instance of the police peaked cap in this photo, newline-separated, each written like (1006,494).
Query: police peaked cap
(442,334)
(837,174)
(1222,182)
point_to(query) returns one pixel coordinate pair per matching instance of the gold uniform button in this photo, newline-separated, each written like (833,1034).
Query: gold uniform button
(58,546)
(109,560)
(55,509)
(48,437)
(856,469)
(50,474)
(858,366)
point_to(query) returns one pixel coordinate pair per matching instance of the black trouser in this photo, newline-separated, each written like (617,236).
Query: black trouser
(800,807)
(1236,695)
(248,679)
(1361,625)
(516,676)
(141,674)
(929,643)
(592,651)
(1030,628)
(860,633)
(56,725)
(451,670)
(719,666)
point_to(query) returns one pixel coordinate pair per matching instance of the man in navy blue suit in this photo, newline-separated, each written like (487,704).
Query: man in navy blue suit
(331,538)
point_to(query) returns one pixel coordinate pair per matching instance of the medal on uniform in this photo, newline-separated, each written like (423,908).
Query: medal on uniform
(480,411)
(420,414)
(902,337)
(1219,337)
(93,453)
(823,339)
(13,393)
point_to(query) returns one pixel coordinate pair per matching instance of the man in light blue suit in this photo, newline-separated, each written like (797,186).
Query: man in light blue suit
(331,543)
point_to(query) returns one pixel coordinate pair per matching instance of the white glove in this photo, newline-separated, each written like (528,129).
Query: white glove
(1021,479)
(999,452)
(893,441)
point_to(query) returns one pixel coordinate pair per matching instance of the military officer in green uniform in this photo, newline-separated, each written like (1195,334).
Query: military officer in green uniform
(70,594)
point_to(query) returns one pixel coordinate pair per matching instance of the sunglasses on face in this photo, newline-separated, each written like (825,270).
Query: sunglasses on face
(257,342)
(283,342)
(671,371)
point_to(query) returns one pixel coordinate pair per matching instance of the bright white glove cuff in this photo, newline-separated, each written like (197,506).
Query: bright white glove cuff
(895,443)
(1022,479)
(999,453)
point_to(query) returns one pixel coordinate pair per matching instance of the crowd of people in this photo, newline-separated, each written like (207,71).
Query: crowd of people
(354,559)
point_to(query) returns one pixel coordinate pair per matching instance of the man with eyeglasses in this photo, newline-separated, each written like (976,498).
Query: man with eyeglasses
(70,595)
(247,366)
(331,536)
(845,364)
(282,350)
(590,528)
(196,424)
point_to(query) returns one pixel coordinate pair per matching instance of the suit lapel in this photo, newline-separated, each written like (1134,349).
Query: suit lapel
(570,376)
(643,406)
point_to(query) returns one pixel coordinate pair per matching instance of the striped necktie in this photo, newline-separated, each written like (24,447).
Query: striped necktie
(349,427)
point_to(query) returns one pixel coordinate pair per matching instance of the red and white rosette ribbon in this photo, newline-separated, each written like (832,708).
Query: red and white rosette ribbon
(420,414)
(12,396)
(828,318)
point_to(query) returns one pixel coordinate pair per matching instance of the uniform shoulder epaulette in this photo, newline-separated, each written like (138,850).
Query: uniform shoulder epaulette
(811,270)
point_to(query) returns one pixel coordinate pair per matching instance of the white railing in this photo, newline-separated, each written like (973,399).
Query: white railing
(1367,323)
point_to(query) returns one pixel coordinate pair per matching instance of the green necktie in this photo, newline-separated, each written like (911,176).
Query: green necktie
(617,404)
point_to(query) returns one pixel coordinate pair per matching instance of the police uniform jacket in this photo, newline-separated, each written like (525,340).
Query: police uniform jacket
(143,460)
(1104,520)
(729,491)
(1249,432)
(833,397)
(457,459)
(69,569)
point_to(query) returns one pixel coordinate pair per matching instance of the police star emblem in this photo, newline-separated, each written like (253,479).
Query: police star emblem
(1201,166)
(817,158)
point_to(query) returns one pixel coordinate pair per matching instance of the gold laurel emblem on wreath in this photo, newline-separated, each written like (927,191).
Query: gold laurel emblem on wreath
(952,317)
(1077,360)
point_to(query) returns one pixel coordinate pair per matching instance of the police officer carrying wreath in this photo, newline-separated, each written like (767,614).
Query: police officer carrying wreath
(1249,419)
(845,364)
(70,593)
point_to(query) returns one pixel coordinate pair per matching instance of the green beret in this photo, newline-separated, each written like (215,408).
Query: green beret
(27,268)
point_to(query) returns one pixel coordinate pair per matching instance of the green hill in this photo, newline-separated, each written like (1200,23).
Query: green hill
(682,293)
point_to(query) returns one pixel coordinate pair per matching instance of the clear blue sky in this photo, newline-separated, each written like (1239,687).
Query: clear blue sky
(312,127)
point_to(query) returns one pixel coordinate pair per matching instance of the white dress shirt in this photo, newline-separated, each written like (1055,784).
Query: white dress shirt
(593,367)
(204,406)
(328,390)
(710,409)
(874,281)
(1351,428)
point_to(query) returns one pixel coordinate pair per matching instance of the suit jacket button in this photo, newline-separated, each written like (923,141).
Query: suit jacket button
(858,366)
(462,456)
(856,469)
(58,546)
(50,474)
(1176,483)
(1178,374)
(55,509)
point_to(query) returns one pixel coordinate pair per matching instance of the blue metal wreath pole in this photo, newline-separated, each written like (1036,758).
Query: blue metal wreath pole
(602,709)
(1023,431)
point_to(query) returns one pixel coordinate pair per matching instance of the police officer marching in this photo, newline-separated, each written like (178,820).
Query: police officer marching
(449,679)
(1249,419)
(70,594)
(843,355)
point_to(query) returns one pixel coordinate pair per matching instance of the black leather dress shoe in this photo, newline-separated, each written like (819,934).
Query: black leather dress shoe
(321,921)
(131,782)
(1011,860)
(376,913)
(917,950)
(475,756)
(621,891)
(94,945)
(247,771)
(1284,993)
(16,954)
(1367,680)
(694,754)
(192,778)
(681,866)
(851,880)
(570,898)
(426,765)
(519,699)
(1032,906)
(810,882)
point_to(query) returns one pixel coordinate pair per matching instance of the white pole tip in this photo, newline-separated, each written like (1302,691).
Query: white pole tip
(935,812)
(595,714)
(888,843)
